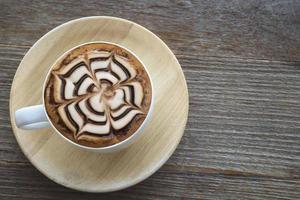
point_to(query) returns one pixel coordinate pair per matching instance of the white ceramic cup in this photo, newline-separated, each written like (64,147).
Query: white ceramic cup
(35,117)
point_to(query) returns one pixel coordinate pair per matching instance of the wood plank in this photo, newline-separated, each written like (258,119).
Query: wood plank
(256,29)
(170,182)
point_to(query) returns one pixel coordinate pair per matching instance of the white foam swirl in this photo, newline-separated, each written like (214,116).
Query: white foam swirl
(98,94)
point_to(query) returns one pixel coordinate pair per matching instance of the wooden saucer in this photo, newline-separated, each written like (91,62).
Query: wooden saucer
(94,172)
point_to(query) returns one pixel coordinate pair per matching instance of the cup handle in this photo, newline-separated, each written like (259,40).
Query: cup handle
(32,117)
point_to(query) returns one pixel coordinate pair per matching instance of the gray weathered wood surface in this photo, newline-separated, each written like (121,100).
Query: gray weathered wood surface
(242,64)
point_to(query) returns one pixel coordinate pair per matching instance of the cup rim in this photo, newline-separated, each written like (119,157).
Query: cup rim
(135,134)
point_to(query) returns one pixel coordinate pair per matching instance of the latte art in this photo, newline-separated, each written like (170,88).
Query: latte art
(98,94)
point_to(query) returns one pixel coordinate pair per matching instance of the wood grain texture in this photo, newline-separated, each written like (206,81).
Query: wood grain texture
(241,60)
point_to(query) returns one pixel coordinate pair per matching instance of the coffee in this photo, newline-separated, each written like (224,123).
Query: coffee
(97,94)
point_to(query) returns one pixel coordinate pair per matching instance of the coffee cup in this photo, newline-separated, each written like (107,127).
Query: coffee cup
(97,96)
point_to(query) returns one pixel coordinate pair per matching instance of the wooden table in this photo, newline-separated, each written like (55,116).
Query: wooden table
(242,64)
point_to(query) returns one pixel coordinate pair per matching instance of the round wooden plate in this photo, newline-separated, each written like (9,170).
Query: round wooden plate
(94,172)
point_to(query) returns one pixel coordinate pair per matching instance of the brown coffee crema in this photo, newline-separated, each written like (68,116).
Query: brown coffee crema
(98,94)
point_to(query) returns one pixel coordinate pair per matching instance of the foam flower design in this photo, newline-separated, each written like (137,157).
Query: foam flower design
(97,93)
